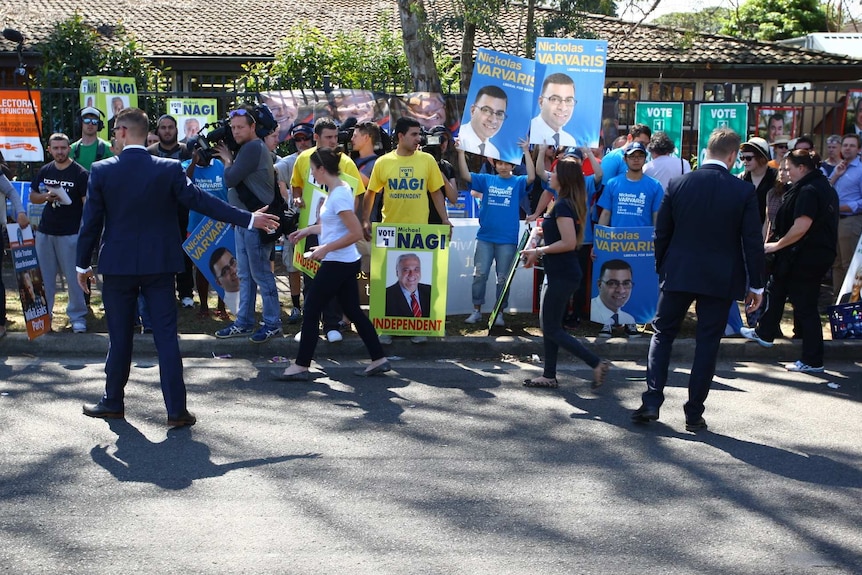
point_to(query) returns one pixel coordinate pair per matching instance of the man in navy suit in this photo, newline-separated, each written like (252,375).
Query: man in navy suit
(708,250)
(401,295)
(132,204)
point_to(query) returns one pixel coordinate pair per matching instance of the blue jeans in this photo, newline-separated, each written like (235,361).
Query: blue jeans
(254,271)
(553,309)
(502,256)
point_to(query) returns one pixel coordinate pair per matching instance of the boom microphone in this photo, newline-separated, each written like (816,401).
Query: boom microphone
(13,35)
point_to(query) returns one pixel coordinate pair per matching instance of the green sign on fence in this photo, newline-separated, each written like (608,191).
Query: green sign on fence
(712,116)
(664,117)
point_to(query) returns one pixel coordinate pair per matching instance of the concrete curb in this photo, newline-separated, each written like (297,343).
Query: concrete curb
(475,347)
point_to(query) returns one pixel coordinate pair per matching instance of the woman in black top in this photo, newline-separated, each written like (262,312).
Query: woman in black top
(563,231)
(803,241)
(755,157)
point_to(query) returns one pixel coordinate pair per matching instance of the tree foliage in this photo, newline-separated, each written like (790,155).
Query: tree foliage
(706,21)
(775,19)
(75,48)
(307,57)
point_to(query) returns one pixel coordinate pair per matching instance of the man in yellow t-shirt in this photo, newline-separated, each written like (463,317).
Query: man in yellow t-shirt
(405,176)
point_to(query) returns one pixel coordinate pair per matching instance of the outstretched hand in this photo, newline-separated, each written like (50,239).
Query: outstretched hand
(264,221)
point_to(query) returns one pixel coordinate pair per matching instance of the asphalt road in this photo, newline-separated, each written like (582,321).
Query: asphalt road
(443,467)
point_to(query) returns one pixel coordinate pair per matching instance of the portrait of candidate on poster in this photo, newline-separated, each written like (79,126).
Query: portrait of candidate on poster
(853,112)
(777,123)
(408,280)
(568,92)
(499,101)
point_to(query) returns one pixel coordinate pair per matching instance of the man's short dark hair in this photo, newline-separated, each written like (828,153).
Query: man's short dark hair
(215,257)
(660,144)
(557,78)
(403,124)
(854,136)
(807,139)
(134,119)
(324,124)
(638,129)
(492,92)
(371,130)
(615,264)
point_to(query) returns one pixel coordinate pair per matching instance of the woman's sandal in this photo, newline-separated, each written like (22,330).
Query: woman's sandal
(599,374)
(541,382)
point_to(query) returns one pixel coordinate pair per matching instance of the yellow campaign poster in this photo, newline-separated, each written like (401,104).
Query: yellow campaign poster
(19,135)
(409,272)
(192,114)
(110,95)
(313,196)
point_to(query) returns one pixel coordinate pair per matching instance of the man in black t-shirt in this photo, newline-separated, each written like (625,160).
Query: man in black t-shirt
(63,184)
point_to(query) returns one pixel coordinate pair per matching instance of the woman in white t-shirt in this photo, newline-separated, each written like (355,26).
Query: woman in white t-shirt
(338,229)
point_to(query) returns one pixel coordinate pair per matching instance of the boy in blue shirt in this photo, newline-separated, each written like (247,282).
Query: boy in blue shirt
(631,200)
(497,239)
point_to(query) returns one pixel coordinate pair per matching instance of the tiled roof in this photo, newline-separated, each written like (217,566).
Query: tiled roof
(244,30)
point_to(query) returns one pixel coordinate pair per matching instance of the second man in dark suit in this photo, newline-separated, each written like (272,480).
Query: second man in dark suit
(708,250)
(132,204)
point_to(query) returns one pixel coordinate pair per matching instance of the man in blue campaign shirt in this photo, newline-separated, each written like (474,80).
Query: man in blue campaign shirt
(209,177)
(613,164)
(497,238)
(631,199)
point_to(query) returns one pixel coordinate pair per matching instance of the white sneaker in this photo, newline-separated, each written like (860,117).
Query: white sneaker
(188,302)
(751,334)
(333,336)
(297,337)
(385,339)
(474,317)
(499,322)
(802,367)
(418,339)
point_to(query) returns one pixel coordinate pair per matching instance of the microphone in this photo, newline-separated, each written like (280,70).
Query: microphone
(13,35)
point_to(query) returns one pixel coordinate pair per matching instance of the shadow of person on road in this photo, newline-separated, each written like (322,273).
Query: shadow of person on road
(171,464)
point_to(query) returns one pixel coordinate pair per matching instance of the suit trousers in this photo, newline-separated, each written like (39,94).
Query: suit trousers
(555,301)
(120,296)
(711,321)
(335,281)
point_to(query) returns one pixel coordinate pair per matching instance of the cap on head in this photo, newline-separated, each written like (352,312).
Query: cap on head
(90,111)
(302,128)
(758,146)
(636,147)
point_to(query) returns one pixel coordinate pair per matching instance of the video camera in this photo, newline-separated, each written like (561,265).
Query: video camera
(220,131)
(345,134)
(432,137)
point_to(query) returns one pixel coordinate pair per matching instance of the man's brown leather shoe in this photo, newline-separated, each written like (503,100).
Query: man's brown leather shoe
(183,419)
(99,410)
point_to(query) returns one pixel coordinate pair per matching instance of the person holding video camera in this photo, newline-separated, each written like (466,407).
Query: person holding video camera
(250,178)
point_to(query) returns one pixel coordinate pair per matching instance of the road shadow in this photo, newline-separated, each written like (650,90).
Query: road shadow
(174,463)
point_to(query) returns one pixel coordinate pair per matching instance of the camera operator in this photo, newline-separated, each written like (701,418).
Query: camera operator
(436,143)
(250,178)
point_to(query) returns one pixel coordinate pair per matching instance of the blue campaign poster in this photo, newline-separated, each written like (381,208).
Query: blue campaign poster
(569,91)
(498,107)
(212,248)
(625,282)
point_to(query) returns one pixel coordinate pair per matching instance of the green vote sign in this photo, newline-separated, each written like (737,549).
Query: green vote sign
(662,117)
(713,116)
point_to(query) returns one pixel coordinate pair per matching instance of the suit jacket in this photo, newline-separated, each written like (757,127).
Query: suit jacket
(135,197)
(396,303)
(708,235)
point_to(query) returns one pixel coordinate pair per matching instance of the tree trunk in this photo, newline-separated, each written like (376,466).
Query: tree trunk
(530,40)
(417,46)
(467,46)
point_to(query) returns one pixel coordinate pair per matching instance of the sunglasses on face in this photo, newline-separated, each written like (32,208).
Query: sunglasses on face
(91,121)
(746,158)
